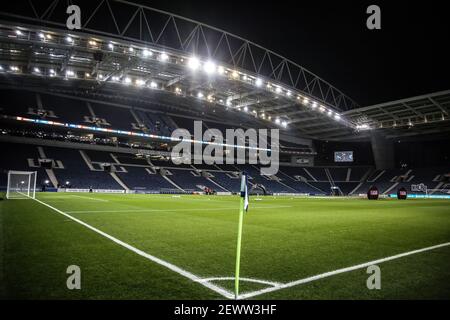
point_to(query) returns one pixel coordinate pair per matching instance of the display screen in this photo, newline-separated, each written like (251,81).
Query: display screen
(343,156)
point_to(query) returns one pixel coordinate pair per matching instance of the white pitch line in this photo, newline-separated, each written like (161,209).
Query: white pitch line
(269,283)
(338,271)
(225,293)
(89,198)
(173,210)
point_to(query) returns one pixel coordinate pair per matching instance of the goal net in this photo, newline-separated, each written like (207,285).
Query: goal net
(21,185)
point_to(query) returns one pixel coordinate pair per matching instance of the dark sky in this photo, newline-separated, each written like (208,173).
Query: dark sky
(408,57)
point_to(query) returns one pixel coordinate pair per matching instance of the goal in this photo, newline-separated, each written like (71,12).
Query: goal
(21,185)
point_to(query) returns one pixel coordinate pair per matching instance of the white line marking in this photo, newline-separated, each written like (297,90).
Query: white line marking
(338,271)
(225,293)
(89,198)
(269,283)
(174,210)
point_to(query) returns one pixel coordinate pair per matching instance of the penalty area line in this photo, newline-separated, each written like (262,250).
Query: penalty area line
(225,293)
(339,271)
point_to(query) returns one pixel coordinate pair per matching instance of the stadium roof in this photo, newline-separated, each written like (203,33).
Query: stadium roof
(124,45)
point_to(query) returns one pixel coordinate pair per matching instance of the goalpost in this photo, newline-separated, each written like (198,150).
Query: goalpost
(21,185)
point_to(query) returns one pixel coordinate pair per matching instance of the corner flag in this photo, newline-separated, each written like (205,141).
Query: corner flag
(244,191)
(243,206)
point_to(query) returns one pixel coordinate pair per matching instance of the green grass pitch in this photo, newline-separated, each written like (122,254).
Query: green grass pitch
(284,239)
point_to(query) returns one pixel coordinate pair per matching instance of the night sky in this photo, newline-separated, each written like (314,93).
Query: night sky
(409,56)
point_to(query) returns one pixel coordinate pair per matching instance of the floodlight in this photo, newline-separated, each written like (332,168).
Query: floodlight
(111,46)
(131,49)
(115,78)
(330,112)
(37,70)
(140,82)
(69,39)
(147,53)
(220,70)
(70,73)
(235,74)
(92,43)
(284,124)
(47,182)
(49,36)
(277,121)
(41,35)
(127,80)
(337,116)
(51,71)
(18,32)
(245,109)
(209,67)
(193,63)
(258,82)
(278,90)
(164,57)
(288,93)
(244,77)
(200,95)
(67,182)
(314,105)
(322,108)
(153,85)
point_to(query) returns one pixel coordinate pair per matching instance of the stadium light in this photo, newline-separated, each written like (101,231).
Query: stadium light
(337,116)
(362,127)
(322,109)
(245,108)
(284,124)
(330,112)
(258,82)
(92,43)
(70,73)
(1,68)
(36,70)
(314,105)
(288,93)
(278,90)
(140,82)
(46,182)
(14,68)
(193,63)
(49,36)
(220,69)
(67,183)
(147,53)
(209,67)
(69,39)
(235,74)
(131,49)
(277,120)
(127,80)
(200,95)
(115,78)
(41,35)
(153,85)
(52,72)
(163,57)
(111,46)
(19,33)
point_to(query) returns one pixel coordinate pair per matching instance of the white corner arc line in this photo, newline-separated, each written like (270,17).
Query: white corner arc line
(225,293)
(269,283)
(339,271)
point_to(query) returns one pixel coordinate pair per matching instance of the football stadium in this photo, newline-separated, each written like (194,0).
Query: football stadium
(285,187)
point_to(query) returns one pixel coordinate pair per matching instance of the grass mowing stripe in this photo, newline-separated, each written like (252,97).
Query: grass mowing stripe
(174,268)
(339,271)
(173,210)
